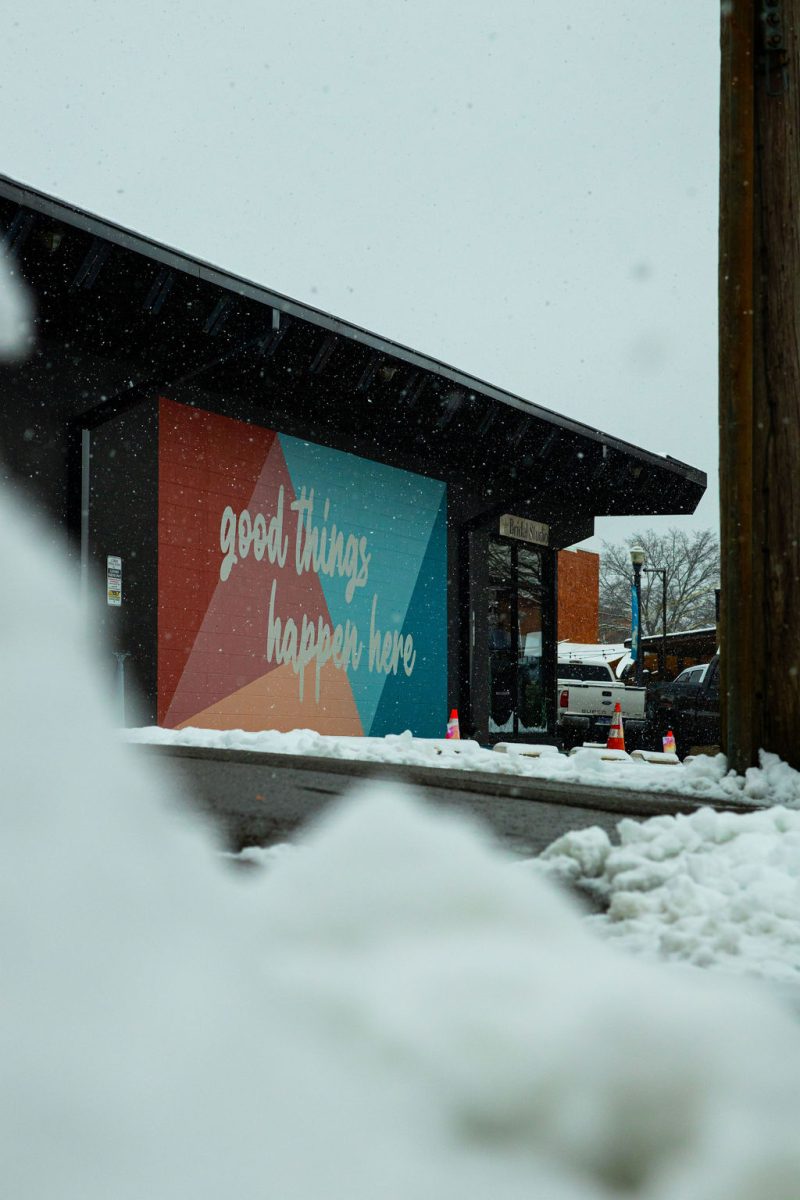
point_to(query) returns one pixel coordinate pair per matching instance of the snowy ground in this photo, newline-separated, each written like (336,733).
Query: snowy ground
(391,1010)
(714,890)
(702,778)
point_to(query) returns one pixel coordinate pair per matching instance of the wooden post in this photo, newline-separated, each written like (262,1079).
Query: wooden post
(759,345)
(776,436)
(737,168)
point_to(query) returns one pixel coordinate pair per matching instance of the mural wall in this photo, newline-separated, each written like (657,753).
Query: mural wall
(298,586)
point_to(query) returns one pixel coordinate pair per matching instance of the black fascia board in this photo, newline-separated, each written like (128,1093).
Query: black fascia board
(694,480)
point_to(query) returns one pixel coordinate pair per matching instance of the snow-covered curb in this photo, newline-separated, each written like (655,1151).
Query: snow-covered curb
(699,779)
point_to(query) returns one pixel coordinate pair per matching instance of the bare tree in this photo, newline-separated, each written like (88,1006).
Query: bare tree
(692,565)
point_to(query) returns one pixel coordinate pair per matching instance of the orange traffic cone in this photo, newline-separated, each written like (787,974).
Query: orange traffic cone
(616,736)
(452,726)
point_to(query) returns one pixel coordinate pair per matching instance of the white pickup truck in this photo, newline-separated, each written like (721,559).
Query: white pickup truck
(585,699)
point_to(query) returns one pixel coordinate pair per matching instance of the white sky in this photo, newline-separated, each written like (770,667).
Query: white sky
(526,191)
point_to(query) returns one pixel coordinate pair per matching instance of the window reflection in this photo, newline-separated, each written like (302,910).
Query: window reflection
(530,690)
(517,701)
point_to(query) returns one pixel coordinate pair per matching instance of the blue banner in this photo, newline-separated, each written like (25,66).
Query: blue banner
(634,624)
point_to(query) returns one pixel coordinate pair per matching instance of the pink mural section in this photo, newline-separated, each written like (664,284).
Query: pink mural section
(213,607)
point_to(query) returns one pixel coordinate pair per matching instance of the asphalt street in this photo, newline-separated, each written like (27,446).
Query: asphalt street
(262,799)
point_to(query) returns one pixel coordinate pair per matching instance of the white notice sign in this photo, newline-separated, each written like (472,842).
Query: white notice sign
(525,529)
(114,580)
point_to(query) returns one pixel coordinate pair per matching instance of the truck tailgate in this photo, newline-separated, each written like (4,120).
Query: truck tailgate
(592,699)
(598,700)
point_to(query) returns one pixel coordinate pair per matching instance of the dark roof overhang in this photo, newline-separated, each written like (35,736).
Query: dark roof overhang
(175,319)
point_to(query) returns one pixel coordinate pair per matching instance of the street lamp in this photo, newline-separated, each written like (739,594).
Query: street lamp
(637,558)
(662,571)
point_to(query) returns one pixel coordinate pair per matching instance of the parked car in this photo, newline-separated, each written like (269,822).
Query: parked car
(586,698)
(689,706)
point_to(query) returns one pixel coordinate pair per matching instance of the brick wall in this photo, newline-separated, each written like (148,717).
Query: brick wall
(578,596)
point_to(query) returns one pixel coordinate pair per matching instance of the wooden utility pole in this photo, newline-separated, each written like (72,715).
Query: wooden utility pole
(759,371)
(736,304)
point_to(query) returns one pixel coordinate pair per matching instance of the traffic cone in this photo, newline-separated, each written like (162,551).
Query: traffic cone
(452,726)
(616,736)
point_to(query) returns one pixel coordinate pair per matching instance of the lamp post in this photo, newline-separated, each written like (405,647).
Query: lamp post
(662,658)
(637,558)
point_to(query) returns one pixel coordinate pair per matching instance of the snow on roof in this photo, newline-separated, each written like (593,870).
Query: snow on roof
(590,652)
(677,633)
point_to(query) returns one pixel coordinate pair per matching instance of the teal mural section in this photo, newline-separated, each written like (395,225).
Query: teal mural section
(399,521)
(426,707)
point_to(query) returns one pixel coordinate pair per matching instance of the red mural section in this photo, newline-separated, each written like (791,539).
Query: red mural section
(212,668)
(203,464)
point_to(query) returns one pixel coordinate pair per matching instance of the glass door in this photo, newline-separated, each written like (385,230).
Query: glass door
(515,595)
(502,640)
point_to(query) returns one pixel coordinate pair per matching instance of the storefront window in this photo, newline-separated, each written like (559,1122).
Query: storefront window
(530,690)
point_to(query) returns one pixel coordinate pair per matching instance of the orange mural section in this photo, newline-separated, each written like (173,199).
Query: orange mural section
(272,702)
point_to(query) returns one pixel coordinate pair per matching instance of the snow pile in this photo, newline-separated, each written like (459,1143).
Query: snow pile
(393,1011)
(773,782)
(544,1063)
(260,856)
(714,889)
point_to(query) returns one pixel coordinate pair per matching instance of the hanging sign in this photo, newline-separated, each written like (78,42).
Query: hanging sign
(524,529)
(114,580)
(634,624)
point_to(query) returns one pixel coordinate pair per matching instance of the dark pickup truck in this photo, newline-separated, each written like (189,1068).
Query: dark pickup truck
(687,706)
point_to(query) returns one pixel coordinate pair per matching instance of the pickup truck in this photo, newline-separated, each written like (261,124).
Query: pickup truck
(586,696)
(689,706)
